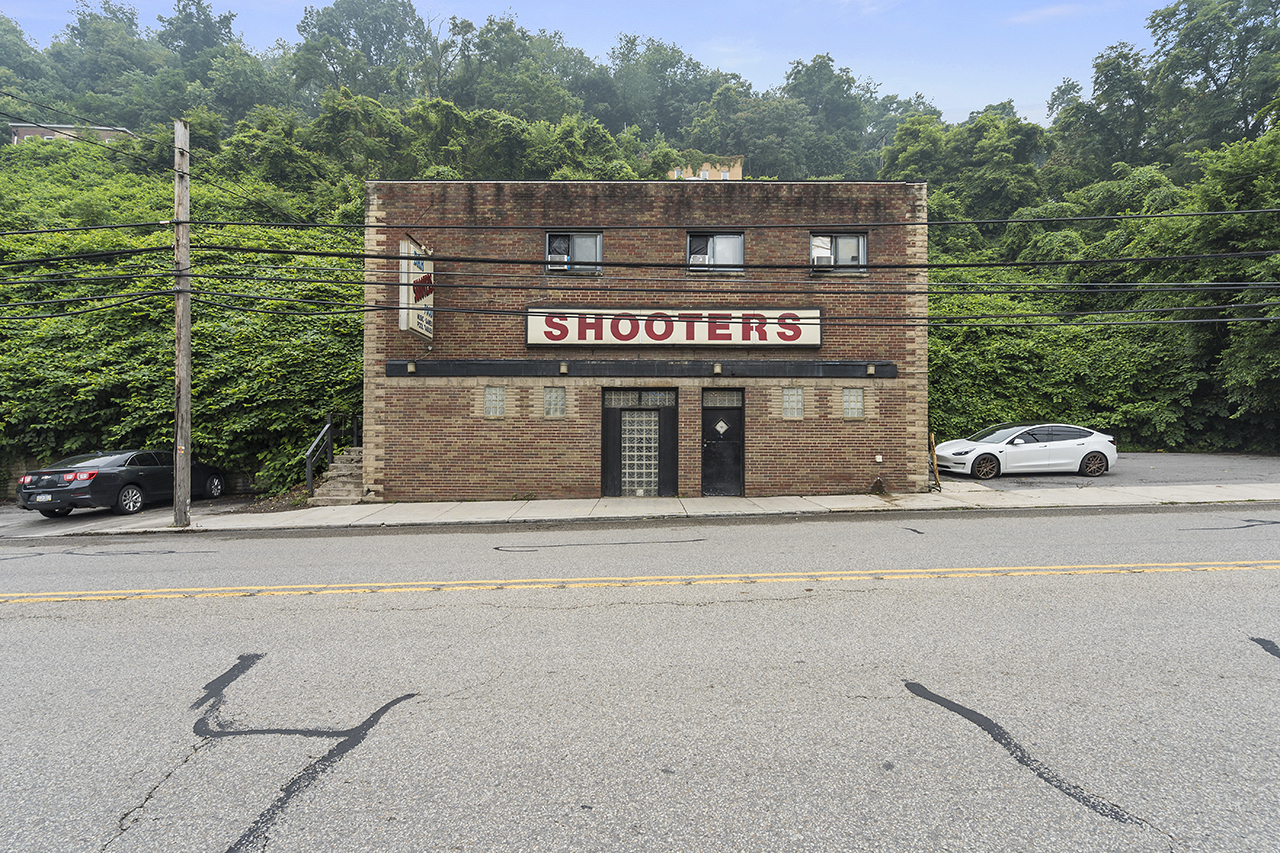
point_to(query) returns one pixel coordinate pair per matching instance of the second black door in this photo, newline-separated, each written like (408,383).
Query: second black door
(722,451)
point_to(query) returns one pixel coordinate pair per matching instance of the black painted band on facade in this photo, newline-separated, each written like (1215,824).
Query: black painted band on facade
(647,368)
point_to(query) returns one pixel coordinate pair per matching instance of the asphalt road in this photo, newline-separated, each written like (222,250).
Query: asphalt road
(1085,681)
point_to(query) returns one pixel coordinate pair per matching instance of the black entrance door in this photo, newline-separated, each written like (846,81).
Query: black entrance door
(722,459)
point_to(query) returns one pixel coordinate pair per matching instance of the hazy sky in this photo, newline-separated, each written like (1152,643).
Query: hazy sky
(961,54)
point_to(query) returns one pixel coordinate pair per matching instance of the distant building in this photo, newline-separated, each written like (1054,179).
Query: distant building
(728,169)
(49,132)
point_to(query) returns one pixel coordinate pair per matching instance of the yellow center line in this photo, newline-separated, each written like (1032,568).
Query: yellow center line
(633,581)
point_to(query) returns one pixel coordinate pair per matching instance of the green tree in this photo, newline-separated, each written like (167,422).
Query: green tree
(374,48)
(1217,66)
(193,29)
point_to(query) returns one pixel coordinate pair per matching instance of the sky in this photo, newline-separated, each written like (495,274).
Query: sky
(960,54)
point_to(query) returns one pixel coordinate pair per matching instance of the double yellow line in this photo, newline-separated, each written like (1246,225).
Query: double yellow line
(646,580)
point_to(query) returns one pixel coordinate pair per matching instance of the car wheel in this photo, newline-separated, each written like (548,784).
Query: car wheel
(60,512)
(1093,464)
(129,500)
(986,466)
(215,486)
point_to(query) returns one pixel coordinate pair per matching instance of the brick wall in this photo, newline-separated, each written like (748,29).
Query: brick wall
(427,438)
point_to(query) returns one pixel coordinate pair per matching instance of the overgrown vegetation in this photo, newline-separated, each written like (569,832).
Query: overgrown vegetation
(374,91)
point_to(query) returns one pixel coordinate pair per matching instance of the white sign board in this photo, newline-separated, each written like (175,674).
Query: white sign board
(674,327)
(417,290)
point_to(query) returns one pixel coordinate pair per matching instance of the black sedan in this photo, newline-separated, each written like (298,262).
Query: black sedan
(121,479)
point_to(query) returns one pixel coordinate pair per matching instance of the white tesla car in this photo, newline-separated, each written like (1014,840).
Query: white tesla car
(1028,448)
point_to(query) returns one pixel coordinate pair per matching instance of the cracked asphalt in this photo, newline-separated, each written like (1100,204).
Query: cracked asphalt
(1094,680)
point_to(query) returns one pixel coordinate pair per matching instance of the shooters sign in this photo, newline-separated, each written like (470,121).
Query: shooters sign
(674,327)
(417,290)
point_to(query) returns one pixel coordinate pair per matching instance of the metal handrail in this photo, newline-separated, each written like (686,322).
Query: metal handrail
(323,442)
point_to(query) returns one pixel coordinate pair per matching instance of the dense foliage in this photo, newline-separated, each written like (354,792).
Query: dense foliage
(1046,302)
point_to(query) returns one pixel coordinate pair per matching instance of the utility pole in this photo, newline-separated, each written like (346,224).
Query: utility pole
(182,323)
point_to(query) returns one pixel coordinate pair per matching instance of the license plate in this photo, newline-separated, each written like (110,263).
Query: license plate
(40,498)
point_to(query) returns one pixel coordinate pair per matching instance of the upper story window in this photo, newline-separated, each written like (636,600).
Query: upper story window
(846,252)
(579,252)
(704,173)
(724,174)
(722,251)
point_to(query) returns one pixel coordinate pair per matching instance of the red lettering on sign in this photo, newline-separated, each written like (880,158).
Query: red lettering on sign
(557,327)
(633,326)
(754,324)
(651,326)
(787,328)
(718,327)
(690,325)
(590,323)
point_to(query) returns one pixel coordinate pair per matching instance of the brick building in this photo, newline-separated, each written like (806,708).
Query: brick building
(587,339)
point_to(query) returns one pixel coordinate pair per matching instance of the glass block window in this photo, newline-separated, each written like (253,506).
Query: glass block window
(553,402)
(853,403)
(640,453)
(495,401)
(625,398)
(722,398)
(793,402)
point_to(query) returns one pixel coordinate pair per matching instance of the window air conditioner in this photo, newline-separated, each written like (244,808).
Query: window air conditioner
(699,260)
(557,262)
(824,261)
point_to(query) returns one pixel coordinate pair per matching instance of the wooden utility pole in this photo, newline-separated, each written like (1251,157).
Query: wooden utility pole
(182,323)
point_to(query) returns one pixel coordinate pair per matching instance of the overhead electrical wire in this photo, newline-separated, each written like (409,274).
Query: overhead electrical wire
(335,308)
(712,270)
(866,288)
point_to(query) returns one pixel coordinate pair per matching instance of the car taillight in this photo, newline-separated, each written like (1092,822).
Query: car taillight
(69,476)
(86,475)
(25,478)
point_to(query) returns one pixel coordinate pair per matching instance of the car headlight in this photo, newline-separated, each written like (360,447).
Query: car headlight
(962,452)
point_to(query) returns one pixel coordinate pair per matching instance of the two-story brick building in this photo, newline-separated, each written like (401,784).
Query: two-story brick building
(588,339)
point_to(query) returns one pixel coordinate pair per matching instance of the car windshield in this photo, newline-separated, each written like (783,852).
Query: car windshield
(85,460)
(998,434)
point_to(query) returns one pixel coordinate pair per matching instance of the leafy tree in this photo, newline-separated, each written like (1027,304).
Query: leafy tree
(658,86)
(989,163)
(374,48)
(97,50)
(193,30)
(1217,66)
(359,134)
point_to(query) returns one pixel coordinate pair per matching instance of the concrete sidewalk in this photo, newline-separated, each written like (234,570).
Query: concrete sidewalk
(955,495)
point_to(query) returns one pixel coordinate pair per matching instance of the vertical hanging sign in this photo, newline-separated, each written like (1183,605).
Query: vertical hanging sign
(417,290)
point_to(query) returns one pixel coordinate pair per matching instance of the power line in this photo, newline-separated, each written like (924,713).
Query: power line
(721,269)
(830,322)
(86,256)
(164,223)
